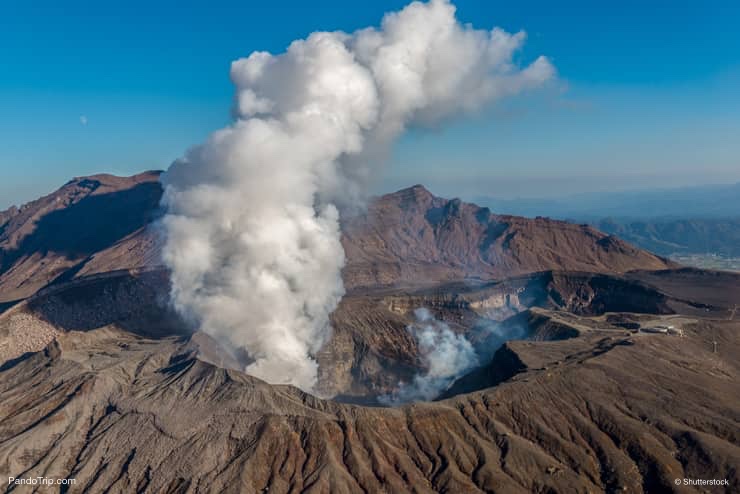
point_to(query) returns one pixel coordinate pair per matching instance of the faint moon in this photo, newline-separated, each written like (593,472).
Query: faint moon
(83,119)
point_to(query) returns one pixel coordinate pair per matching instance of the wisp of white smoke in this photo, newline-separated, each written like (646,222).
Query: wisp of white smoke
(252,223)
(445,356)
(489,336)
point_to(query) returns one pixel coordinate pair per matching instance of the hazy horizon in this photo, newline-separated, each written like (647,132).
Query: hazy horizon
(523,192)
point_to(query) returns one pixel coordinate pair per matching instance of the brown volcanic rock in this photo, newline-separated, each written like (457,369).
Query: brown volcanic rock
(413,237)
(103,223)
(371,350)
(54,237)
(117,396)
(603,412)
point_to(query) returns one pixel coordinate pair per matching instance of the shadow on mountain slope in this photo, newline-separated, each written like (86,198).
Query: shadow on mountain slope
(90,225)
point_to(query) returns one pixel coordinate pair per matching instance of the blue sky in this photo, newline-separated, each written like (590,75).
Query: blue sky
(648,92)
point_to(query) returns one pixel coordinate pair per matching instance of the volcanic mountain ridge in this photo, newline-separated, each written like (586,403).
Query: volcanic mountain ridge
(101,382)
(104,223)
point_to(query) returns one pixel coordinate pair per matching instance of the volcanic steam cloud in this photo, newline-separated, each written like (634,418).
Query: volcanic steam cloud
(252,223)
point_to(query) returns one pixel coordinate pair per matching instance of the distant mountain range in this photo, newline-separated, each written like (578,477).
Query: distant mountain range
(701,202)
(689,220)
(678,236)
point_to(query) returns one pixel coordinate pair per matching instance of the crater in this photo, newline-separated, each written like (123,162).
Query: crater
(373,349)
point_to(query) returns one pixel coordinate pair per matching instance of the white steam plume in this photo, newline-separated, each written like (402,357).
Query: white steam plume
(445,355)
(252,227)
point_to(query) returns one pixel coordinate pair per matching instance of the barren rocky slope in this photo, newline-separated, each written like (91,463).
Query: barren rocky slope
(91,224)
(99,223)
(371,350)
(99,381)
(607,411)
(411,236)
